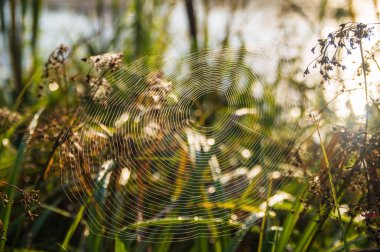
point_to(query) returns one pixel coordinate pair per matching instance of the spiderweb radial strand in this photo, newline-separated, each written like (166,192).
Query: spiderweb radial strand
(182,145)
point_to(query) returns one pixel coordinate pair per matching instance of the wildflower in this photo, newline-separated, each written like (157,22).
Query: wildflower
(30,215)
(29,198)
(56,60)
(8,117)
(4,199)
(347,37)
(306,72)
(105,62)
(100,88)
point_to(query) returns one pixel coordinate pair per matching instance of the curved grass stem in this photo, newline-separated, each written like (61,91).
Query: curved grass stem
(336,203)
(364,67)
(264,220)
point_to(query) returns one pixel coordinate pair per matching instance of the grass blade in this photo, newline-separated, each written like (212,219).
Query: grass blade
(120,245)
(290,222)
(72,228)
(15,173)
(262,228)
(336,203)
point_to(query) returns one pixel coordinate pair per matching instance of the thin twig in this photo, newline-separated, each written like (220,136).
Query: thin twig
(366,121)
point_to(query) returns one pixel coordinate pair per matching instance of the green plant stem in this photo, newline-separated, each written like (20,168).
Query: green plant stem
(366,120)
(25,88)
(262,231)
(291,220)
(366,90)
(73,227)
(333,189)
(15,187)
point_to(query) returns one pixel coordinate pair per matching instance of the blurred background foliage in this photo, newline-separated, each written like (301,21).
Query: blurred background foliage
(34,110)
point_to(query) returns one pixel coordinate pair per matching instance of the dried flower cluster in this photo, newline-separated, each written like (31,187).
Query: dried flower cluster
(96,86)
(54,69)
(369,206)
(105,62)
(29,201)
(4,199)
(353,154)
(347,38)
(156,93)
(349,168)
(8,118)
(370,56)
(56,60)
(100,88)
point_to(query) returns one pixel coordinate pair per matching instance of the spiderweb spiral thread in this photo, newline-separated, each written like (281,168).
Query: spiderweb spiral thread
(185,145)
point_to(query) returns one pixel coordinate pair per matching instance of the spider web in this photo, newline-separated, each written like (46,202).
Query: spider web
(188,146)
